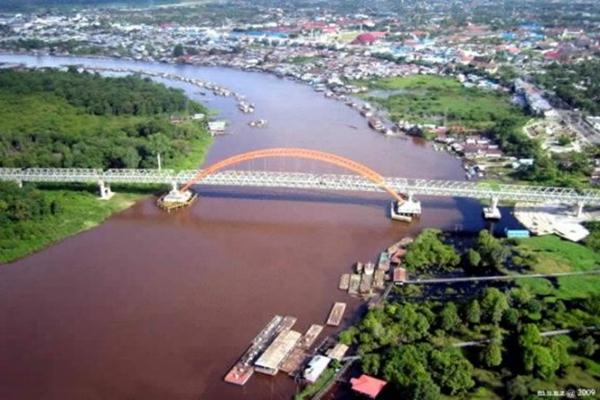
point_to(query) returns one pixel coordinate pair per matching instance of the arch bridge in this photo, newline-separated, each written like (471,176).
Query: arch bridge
(362,179)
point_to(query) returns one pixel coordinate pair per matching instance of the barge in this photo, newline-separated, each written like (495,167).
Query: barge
(243,370)
(299,354)
(344,282)
(336,314)
(269,362)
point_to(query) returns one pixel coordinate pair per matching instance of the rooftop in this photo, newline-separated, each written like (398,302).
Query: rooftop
(367,385)
(278,350)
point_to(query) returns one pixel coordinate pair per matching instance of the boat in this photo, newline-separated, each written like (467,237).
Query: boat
(259,123)
(376,124)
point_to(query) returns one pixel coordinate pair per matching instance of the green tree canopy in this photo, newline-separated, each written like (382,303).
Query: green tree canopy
(451,370)
(473,312)
(428,253)
(448,318)
(493,304)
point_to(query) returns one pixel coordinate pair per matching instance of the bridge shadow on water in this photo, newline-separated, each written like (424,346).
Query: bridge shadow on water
(303,196)
(371,200)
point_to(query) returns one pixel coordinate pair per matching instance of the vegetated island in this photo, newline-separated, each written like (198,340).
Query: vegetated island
(487,340)
(71,119)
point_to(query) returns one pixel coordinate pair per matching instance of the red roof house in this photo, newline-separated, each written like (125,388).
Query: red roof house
(367,385)
(368,37)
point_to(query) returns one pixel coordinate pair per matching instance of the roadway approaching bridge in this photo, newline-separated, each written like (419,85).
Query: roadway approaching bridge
(365,179)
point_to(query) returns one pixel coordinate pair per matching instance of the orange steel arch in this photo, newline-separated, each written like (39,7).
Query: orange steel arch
(329,158)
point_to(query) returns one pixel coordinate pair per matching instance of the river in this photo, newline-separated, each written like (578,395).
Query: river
(156,306)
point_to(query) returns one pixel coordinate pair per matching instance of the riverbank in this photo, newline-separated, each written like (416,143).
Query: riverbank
(123,124)
(80,211)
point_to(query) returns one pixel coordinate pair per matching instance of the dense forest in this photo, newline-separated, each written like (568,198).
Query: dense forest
(68,119)
(412,341)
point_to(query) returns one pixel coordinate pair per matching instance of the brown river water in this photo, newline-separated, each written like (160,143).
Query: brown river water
(156,306)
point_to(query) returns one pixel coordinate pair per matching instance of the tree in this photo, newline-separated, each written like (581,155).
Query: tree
(178,50)
(472,259)
(592,304)
(492,252)
(529,336)
(473,312)
(406,368)
(371,363)
(516,388)
(449,317)
(587,346)
(511,317)
(544,364)
(428,252)
(451,370)
(347,336)
(493,305)
(412,325)
(491,356)
(560,353)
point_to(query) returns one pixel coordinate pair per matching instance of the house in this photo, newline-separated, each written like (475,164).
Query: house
(217,127)
(399,275)
(367,385)
(368,38)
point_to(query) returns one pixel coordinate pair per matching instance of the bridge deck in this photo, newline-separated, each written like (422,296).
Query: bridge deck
(296,180)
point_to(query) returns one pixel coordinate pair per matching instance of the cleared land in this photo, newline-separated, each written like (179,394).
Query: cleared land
(552,254)
(432,99)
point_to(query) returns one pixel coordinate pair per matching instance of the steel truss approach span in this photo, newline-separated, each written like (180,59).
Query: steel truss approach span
(294,180)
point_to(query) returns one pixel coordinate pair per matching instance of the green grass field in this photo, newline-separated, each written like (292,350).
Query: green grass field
(426,99)
(553,254)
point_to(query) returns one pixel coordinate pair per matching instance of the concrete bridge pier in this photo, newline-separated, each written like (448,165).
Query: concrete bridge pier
(579,209)
(105,192)
(176,196)
(492,212)
(19,183)
(406,210)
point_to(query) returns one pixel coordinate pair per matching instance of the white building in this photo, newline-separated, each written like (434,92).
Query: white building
(315,368)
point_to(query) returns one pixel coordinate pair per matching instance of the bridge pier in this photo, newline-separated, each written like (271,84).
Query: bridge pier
(105,192)
(406,210)
(19,183)
(492,212)
(579,209)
